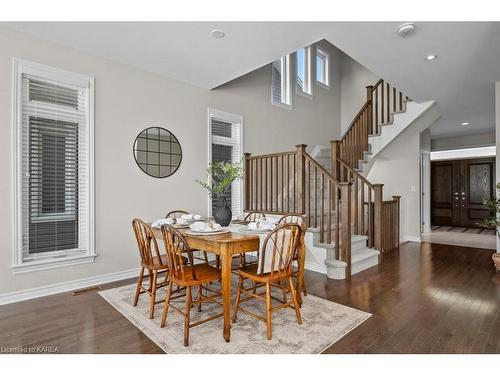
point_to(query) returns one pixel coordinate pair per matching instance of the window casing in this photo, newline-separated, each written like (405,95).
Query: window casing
(53,153)
(226,144)
(281,94)
(304,71)
(322,67)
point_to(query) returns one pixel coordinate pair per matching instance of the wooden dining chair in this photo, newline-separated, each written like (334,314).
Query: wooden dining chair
(187,275)
(254,216)
(300,260)
(275,265)
(251,217)
(152,261)
(176,214)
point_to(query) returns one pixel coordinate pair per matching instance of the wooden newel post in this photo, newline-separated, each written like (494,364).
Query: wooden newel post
(369,98)
(369,92)
(247,181)
(345,224)
(300,174)
(377,220)
(335,154)
(397,199)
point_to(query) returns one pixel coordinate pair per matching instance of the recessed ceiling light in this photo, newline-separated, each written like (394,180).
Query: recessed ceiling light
(465,123)
(218,34)
(431,57)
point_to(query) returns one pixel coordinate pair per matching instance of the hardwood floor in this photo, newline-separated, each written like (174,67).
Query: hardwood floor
(430,299)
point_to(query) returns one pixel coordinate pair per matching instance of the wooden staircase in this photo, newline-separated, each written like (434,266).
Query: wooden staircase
(340,205)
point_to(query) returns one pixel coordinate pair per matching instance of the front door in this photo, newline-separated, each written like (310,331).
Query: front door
(458,188)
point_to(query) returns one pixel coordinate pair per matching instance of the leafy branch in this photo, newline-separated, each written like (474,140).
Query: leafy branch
(493,205)
(220,175)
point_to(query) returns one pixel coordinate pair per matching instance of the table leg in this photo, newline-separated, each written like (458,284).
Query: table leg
(226,259)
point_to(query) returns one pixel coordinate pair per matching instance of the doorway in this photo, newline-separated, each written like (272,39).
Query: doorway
(458,188)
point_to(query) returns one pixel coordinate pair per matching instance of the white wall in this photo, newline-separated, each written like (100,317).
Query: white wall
(354,79)
(128,100)
(464,141)
(398,167)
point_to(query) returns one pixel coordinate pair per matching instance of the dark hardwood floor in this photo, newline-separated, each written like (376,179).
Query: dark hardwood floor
(430,299)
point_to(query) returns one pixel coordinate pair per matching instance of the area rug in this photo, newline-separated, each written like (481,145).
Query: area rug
(443,228)
(324,322)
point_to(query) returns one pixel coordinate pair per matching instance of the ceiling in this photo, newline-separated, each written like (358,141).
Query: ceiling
(461,79)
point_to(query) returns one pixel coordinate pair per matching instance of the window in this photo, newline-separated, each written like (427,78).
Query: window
(226,144)
(280,90)
(322,70)
(54,155)
(304,76)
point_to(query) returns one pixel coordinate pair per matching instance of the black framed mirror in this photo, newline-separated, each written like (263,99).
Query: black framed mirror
(157,152)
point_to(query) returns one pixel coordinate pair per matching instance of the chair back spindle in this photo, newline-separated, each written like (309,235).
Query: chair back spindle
(280,246)
(147,244)
(177,251)
(255,216)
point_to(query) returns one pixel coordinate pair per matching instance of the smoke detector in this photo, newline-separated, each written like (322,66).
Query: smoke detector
(406,29)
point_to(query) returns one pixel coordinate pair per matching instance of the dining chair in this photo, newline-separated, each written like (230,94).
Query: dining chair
(187,275)
(176,214)
(275,265)
(251,217)
(254,216)
(151,260)
(300,260)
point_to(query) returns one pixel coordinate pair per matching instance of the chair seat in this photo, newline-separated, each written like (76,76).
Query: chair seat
(204,274)
(251,272)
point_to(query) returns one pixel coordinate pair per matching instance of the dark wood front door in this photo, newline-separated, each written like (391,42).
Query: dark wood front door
(458,188)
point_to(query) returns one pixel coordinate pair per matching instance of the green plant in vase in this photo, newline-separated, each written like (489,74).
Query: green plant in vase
(220,176)
(493,222)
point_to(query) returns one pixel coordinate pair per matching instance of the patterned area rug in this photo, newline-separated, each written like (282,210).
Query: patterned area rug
(324,323)
(442,228)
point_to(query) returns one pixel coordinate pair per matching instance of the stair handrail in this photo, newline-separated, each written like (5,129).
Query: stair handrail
(356,173)
(382,100)
(268,175)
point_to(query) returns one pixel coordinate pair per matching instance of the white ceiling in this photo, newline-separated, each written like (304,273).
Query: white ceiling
(461,79)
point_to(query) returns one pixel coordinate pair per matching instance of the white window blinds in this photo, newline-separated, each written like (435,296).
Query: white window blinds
(226,145)
(280,86)
(54,161)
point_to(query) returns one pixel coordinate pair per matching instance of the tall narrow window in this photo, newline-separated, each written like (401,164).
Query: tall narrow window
(54,215)
(322,67)
(226,144)
(280,89)
(304,71)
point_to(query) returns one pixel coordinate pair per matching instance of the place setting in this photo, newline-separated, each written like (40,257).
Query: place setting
(261,226)
(202,228)
(181,222)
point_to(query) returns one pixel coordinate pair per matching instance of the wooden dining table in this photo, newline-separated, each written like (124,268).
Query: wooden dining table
(225,245)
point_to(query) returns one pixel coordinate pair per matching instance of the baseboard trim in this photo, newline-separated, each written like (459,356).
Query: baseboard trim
(411,239)
(23,295)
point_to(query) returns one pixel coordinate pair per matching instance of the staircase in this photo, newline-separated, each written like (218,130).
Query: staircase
(350,223)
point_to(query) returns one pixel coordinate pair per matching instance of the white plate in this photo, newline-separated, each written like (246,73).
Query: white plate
(220,231)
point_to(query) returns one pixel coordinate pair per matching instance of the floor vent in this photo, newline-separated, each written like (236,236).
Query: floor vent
(82,291)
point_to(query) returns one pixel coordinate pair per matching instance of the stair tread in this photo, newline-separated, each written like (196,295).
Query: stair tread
(362,254)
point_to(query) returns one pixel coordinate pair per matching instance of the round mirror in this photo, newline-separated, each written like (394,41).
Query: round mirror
(157,152)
